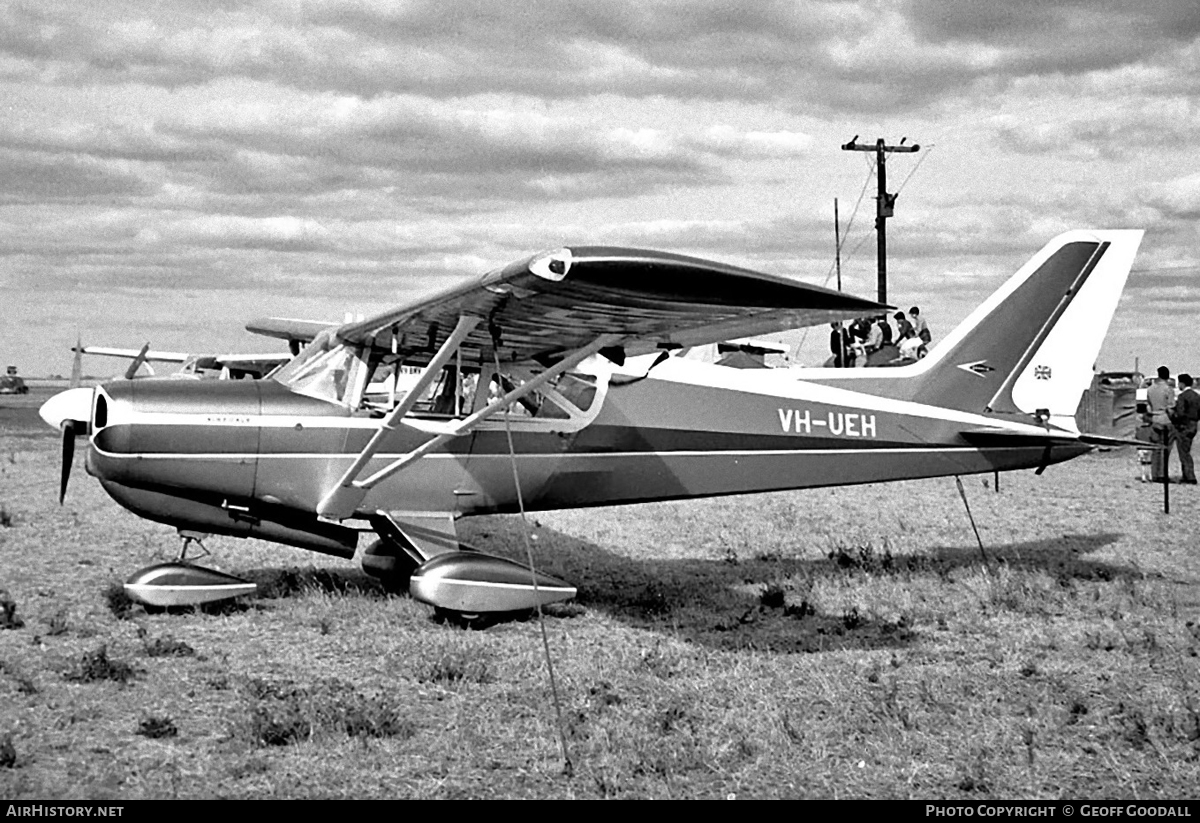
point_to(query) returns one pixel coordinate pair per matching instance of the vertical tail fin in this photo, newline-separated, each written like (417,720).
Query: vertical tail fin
(1032,345)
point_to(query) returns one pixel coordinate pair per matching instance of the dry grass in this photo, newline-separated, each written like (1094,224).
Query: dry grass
(831,643)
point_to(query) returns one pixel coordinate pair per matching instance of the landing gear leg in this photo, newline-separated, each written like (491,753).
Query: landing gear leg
(188,539)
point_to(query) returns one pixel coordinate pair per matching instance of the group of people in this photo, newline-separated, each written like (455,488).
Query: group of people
(1169,418)
(854,344)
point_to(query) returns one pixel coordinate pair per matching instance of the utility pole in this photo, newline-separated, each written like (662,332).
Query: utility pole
(837,243)
(885,203)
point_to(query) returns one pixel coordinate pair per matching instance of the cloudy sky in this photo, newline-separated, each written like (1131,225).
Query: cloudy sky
(170,170)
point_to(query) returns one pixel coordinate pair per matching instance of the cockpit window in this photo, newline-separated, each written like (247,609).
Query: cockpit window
(578,389)
(568,398)
(326,376)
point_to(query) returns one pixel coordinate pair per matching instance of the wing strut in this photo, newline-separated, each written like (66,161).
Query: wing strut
(396,416)
(349,492)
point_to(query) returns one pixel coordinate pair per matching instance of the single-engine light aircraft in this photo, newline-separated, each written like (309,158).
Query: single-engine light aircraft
(549,383)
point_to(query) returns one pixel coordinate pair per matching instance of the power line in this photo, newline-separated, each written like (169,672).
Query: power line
(928,149)
(1192,267)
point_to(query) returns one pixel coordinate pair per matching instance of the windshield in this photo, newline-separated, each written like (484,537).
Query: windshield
(322,370)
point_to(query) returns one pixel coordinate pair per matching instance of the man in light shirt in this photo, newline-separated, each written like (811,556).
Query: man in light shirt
(920,327)
(1160,398)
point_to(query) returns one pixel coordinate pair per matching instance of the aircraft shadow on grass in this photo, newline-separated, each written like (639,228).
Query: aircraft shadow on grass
(755,603)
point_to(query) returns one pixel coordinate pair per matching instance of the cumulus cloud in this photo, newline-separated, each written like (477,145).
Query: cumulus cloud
(1178,198)
(294,147)
(423,146)
(284,233)
(1121,128)
(30,175)
(849,54)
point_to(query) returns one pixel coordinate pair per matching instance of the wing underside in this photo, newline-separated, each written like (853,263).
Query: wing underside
(556,302)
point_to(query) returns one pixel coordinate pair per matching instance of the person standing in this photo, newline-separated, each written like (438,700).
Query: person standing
(885,328)
(1160,400)
(839,344)
(859,331)
(1186,417)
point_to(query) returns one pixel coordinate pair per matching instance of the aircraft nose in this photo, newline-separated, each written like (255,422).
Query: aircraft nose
(72,404)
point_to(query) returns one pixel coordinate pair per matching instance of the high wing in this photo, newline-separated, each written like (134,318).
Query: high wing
(556,302)
(289,329)
(148,355)
(239,365)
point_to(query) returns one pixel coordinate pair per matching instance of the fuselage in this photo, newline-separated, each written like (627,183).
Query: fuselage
(255,458)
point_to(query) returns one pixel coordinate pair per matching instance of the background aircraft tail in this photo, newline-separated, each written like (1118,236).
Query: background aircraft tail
(1032,345)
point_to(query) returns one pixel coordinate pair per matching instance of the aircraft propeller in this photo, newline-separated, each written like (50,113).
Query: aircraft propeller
(68,457)
(70,412)
(137,362)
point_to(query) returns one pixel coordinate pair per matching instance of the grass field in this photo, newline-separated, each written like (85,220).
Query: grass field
(830,643)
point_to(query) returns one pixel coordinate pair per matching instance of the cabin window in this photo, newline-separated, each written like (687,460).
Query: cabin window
(567,402)
(456,395)
(450,396)
(565,397)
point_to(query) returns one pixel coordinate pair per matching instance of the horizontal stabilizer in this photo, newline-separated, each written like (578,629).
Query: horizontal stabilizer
(1010,437)
(1115,442)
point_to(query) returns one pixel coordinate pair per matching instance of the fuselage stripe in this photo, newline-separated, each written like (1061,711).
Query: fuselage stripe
(569,456)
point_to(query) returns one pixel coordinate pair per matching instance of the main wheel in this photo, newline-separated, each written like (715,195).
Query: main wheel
(464,620)
(389,564)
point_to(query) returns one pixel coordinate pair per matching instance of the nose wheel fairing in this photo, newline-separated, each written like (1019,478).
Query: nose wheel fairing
(184,584)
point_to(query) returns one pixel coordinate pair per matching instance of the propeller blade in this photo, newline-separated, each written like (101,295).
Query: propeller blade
(68,457)
(137,362)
